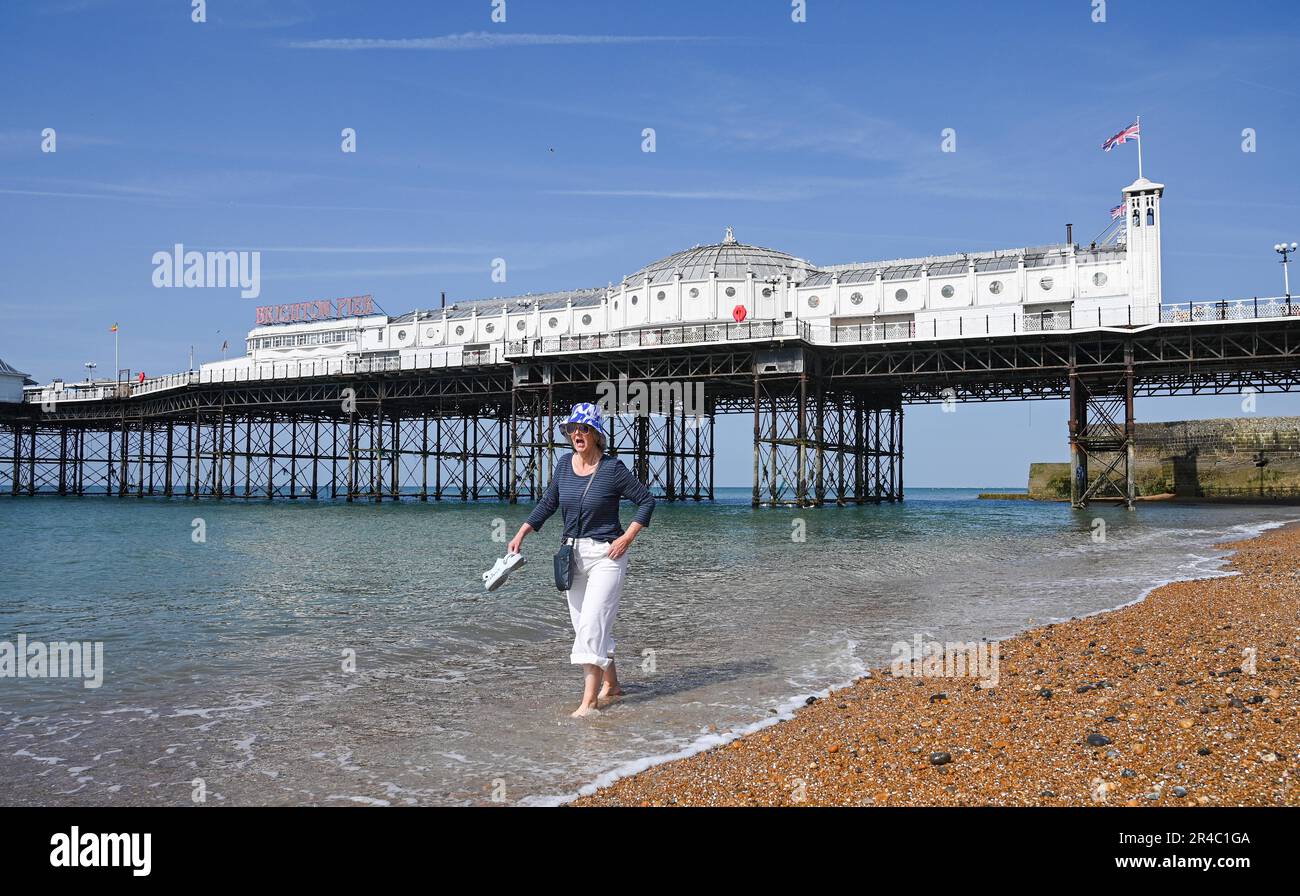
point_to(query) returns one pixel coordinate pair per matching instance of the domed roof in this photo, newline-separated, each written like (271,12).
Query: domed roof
(731,259)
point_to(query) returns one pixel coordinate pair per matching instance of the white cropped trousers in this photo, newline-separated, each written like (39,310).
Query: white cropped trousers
(593,601)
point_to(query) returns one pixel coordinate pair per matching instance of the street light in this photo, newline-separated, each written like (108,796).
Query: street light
(90,369)
(1285,251)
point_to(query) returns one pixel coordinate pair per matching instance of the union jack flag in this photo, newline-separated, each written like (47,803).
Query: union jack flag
(1117,212)
(1132,132)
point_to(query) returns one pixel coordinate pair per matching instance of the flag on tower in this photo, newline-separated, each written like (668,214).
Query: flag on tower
(113,329)
(1117,212)
(225,344)
(1132,132)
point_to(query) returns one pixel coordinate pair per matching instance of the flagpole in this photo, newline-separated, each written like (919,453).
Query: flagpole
(1139,140)
(117,367)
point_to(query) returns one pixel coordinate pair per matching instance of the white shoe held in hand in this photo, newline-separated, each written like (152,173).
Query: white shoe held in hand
(495,577)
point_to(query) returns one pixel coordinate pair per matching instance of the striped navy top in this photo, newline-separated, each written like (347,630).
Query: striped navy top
(600,507)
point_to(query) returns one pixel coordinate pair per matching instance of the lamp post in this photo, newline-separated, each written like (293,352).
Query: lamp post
(90,369)
(1285,251)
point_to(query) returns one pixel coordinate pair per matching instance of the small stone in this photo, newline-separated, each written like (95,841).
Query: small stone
(1046,793)
(810,701)
(939,697)
(1128,773)
(1180,791)
(1045,693)
(1098,740)
(1203,751)
(1185,723)
(1139,651)
(940,758)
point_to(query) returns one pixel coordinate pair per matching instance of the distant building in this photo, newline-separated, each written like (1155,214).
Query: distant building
(1057,286)
(12,381)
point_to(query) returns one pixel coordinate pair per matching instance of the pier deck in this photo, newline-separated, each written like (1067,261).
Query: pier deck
(827,405)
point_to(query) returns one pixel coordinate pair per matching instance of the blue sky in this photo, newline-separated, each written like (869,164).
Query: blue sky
(522,140)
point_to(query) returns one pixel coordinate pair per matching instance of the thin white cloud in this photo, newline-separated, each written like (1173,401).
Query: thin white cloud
(369,250)
(672,194)
(484,40)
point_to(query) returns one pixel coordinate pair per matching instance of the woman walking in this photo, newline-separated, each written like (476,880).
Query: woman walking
(586,488)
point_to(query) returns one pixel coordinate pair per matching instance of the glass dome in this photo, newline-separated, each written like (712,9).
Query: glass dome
(731,259)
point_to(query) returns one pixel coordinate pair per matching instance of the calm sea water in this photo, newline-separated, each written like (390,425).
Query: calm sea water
(225,660)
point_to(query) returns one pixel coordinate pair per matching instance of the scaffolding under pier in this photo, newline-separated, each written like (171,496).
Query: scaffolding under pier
(827,419)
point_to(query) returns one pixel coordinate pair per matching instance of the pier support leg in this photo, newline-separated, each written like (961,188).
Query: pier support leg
(1102,429)
(818,441)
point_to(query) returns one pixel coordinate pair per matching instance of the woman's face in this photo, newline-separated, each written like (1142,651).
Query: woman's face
(582,437)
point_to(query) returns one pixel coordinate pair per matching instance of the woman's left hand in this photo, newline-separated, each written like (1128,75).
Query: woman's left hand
(618,547)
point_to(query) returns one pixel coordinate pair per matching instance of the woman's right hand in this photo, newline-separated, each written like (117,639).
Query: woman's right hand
(517,542)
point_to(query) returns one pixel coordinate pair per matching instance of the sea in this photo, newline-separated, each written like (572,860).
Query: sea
(294,653)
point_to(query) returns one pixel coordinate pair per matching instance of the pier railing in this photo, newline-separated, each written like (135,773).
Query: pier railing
(642,337)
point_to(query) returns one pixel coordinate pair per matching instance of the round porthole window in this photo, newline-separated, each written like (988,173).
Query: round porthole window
(1099,279)
(694,293)
(901,295)
(428,334)
(767,293)
(553,323)
(490,327)
(995,286)
(633,300)
(661,295)
(856,298)
(460,331)
(401,335)
(1046,284)
(947,292)
(519,325)
(586,319)
(731,291)
(814,301)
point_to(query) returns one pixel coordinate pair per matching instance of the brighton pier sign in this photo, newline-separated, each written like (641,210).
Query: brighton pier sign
(321,309)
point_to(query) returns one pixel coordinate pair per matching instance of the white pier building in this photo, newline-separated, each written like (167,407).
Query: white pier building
(1055,286)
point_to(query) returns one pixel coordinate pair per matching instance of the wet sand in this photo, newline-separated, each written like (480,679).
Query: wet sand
(1152,704)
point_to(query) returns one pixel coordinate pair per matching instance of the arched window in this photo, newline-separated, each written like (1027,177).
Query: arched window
(1137,217)
(1151,216)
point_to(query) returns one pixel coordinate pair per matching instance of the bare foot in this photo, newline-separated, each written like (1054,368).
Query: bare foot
(609,695)
(584,710)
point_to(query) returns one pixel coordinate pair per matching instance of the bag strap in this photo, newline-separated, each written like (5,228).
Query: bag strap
(594,474)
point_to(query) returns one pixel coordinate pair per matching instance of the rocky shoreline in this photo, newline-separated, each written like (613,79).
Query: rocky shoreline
(1188,697)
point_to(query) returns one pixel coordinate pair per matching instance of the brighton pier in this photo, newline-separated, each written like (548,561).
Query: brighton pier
(332,400)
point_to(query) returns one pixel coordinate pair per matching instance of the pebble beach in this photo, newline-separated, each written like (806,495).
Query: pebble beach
(1188,697)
